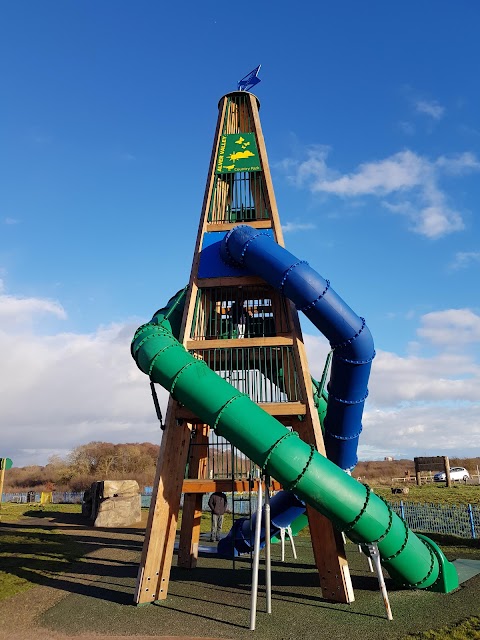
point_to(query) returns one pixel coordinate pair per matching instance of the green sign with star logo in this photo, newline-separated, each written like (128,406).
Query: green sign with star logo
(237,152)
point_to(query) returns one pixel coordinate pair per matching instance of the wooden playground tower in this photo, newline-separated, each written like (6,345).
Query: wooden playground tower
(261,353)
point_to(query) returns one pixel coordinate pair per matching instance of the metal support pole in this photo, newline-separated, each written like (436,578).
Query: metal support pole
(289,533)
(268,543)
(370,565)
(472,521)
(282,541)
(375,555)
(256,559)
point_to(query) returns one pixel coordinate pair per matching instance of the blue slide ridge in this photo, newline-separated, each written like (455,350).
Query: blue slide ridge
(285,507)
(349,337)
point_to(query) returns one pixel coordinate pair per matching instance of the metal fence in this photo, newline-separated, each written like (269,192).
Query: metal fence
(456,520)
(58,497)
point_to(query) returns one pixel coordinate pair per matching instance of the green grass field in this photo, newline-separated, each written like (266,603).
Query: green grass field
(436,493)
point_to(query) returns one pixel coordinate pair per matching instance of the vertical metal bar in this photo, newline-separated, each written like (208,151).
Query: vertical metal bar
(268,542)
(256,558)
(402,510)
(472,521)
(375,555)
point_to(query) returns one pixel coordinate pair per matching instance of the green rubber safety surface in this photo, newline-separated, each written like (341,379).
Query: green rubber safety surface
(214,601)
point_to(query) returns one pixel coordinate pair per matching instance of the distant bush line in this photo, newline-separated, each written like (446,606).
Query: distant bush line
(136,461)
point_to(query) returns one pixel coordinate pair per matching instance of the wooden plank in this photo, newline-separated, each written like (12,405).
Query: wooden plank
(158,546)
(192,486)
(226,226)
(193,286)
(192,504)
(228,281)
(190,530)
(226,343)
(262,150)
(329,553)
(277,409)
(327,543)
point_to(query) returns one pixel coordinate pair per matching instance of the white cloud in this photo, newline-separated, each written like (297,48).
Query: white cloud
(407,183)
(17,311)
(400,172)
(62,390)
(291,227)
(11,221)
(421,404)
(431,108)
(58,391)
(416,430)
(451,328)
(463,259)
(459,163)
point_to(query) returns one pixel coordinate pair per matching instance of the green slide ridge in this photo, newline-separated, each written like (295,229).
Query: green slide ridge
(350,505)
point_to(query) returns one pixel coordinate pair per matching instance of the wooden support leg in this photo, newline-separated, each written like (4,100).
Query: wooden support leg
(158,547)
(330,559)
(190,531)
(327,543)
(192,503)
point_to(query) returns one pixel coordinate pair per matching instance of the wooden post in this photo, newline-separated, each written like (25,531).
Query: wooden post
(446,463)
(158,547)
(192,502)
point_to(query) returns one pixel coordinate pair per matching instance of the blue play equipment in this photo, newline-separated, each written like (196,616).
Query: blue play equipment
(349,337)
(285,507)
(250,249)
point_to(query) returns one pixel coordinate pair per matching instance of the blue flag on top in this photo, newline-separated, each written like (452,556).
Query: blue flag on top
(250,80)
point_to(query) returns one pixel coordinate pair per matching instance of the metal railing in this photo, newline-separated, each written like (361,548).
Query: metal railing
(265,374)
(455,520)
(234,312)
(239,197)
(58,497)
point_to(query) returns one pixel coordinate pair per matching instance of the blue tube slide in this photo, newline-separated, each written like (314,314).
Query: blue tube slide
(285,507)
(349,337)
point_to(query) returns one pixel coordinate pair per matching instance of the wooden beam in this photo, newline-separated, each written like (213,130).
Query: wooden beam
(158,546)
(327,543)
(278,409)
(192,502)
(226,485)
(228,281)
(239,343)
(226,226)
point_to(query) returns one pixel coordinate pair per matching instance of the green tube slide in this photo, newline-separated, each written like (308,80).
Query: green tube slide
(351,506)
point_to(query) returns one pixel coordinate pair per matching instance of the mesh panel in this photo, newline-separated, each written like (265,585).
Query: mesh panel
(236,312)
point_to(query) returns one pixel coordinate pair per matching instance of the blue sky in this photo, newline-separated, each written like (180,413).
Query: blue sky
(107,114)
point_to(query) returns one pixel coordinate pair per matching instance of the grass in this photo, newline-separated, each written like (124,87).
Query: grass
(466,630)
(12,512)
(436,493)
(31,555)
